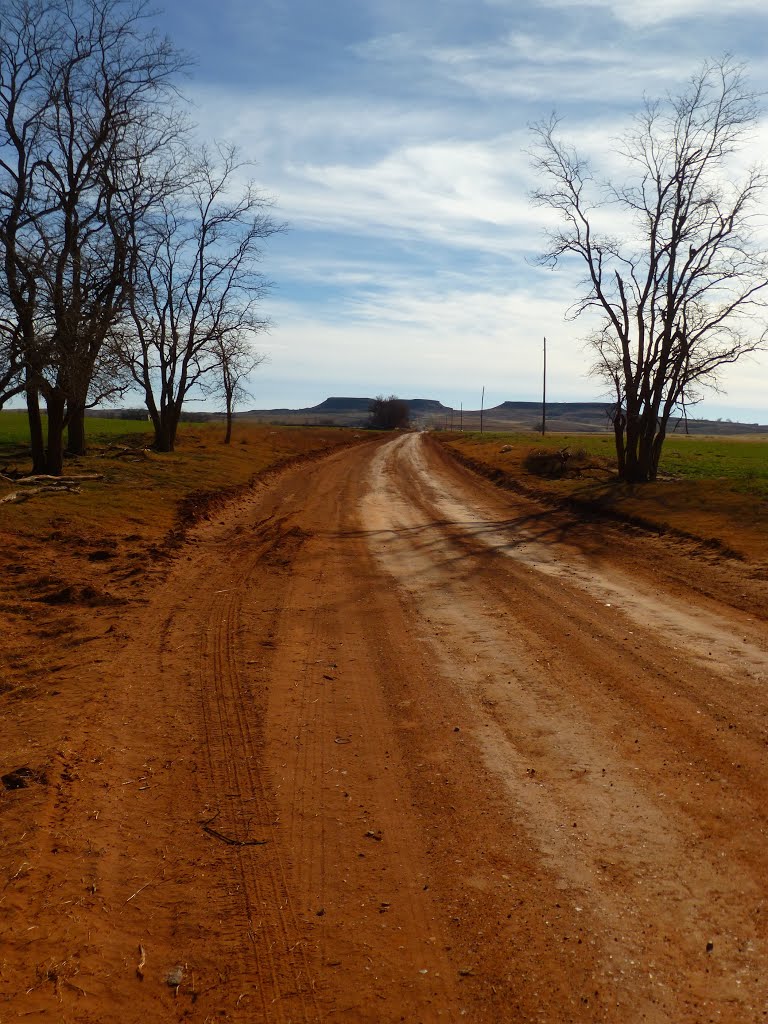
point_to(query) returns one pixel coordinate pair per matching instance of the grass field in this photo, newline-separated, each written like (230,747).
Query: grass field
(14,429)
(741,461)
(736,460)
(711,488)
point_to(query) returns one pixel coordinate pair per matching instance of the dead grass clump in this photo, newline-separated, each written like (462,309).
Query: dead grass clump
(85,595)
(20,778)
(556,463)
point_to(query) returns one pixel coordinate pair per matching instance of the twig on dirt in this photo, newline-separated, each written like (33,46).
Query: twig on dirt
(18,496)
(140,964)
(24,864)
(234,842)
(229,840)
(42,483)
(114,451)
(138,891)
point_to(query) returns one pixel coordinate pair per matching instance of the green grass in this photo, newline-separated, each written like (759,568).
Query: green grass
(740,461)
(14,428)
(711,459)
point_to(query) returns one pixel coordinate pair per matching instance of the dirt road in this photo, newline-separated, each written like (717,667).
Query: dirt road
(387,744)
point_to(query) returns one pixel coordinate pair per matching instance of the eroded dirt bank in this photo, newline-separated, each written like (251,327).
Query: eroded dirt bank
(387,744)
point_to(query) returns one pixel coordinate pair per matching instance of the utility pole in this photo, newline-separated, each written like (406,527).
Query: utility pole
(544,394)
(482,403)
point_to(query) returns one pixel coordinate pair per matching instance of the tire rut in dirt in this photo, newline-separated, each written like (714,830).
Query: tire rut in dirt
(356,863)
(273,970)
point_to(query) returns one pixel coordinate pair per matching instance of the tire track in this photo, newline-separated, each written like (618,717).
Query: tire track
(245,811)
(328,734)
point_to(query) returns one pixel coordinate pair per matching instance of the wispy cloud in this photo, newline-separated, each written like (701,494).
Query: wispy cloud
(642,13)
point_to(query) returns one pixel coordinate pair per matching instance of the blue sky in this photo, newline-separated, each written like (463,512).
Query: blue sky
(392,135)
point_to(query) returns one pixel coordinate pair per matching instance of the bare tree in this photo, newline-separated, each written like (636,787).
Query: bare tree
(391,413)
(197,285)
(28,38)
(81,86)
(235,360)
(678,292)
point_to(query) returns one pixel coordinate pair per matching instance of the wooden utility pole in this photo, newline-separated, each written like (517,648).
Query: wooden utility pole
(482,403)
(544,394)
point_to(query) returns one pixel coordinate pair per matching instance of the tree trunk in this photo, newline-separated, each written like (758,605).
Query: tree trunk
(632,472)
(658,444)
(619,426)
(643,440)
(645,453)
(163,437)
(36,439)
(639,470)
(76,430)
(165,426)
(228,434)
(54,463)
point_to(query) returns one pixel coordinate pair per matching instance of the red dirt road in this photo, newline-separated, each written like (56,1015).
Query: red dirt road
(383,744)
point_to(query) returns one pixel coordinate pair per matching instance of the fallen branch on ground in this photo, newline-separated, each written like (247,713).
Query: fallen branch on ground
(206,826)
(18,496)
(43,478)
(115,452)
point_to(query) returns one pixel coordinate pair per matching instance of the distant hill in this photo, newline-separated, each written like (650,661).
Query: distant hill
(418,406)
(345,412)
(562,417)
(340,405)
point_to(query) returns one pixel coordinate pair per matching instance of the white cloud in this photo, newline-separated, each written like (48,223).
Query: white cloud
(278,127)
(537,67)
(453,191)
(644,13)
(445,191)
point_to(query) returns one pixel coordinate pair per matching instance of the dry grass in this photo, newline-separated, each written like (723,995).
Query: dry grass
(142,492)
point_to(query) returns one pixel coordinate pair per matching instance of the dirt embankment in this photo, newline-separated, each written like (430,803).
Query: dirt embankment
(383,744)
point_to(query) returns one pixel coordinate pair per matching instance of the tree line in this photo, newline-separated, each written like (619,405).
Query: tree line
(130,256)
